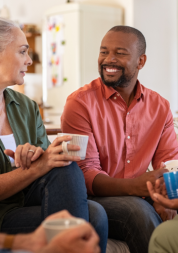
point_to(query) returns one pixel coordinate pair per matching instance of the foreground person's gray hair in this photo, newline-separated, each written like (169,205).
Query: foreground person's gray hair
(6,35)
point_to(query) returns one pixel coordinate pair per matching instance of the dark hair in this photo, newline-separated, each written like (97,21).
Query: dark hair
(137,33)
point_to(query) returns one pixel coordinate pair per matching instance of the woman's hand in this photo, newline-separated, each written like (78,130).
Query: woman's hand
(159,195)
(25,155)
(51,158)
(54,157)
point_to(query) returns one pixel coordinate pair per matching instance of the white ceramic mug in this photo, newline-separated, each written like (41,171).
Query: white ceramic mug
(172,165)
(56,226)
(77,139)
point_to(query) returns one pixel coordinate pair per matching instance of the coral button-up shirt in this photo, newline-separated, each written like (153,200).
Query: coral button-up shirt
(122,140)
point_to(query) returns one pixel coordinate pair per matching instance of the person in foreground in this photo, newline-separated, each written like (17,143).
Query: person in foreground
(165,237)
(128,126)
(81,239)
(36,179)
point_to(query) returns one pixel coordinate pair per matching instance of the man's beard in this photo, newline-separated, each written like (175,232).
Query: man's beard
(123,80)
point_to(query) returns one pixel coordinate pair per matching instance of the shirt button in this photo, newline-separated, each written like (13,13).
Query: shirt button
(128,161)
(115,98)
(117,94)
(128,113)
(128,137)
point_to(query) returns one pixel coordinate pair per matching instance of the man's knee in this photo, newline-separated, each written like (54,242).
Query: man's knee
(135,213)
(126,207)
(143,214)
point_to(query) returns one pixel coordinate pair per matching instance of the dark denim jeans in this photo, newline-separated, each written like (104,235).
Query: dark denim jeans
(131,219)
(61,188)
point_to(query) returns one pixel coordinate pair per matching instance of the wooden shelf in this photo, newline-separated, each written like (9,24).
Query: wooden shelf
(36,62)
(31,69)
(31,41)
(28,35)
(53,131)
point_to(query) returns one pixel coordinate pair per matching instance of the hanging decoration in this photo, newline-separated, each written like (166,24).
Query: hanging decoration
(55,50)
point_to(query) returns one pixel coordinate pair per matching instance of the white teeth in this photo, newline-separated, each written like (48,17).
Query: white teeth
(111,70)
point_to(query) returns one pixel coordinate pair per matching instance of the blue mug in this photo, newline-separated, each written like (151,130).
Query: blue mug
(171,182)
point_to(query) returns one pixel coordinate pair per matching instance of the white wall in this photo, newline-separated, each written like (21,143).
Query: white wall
(157,19)
(127,5)
(29,11)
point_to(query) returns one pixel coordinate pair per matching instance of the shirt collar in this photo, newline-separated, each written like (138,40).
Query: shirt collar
(9,97)
(139,91)
(109,91)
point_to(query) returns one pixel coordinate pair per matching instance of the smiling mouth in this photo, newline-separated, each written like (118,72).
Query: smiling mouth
(113,70)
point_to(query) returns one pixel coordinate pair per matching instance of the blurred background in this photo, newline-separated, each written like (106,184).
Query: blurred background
(64,38)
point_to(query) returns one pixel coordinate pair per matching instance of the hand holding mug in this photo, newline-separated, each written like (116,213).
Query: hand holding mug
(76,139)
(160,195)
(152,176)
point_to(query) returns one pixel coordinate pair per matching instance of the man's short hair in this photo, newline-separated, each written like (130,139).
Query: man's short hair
(137,33)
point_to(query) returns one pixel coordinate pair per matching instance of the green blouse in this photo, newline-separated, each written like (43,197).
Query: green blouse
(27,126)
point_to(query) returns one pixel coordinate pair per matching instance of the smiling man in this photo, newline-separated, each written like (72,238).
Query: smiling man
(128,126)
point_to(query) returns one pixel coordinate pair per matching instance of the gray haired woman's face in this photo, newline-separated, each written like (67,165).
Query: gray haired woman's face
(14,60)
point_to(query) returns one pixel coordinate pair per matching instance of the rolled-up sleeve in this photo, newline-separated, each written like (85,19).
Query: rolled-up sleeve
(76,119)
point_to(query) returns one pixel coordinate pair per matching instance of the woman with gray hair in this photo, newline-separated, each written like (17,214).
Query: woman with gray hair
(36,179)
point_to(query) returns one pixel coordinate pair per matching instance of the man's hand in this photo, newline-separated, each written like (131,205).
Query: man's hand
(160,196)
(23,157)
(152,176)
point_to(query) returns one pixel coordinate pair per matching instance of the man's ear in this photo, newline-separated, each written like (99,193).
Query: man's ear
(142,61)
